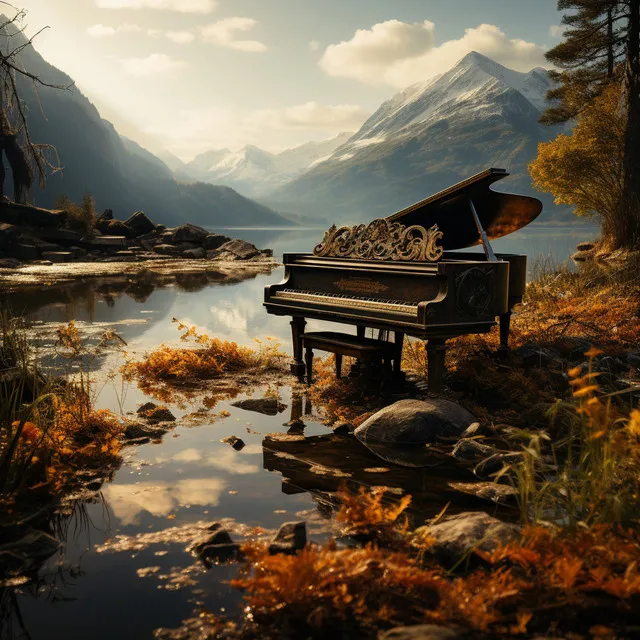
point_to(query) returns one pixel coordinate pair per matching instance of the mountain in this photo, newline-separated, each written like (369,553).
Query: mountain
(119,173)
(431,135)
(254,171)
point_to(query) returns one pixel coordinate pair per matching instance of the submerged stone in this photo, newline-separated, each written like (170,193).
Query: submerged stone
(291,537)
(266,406)
(235,442)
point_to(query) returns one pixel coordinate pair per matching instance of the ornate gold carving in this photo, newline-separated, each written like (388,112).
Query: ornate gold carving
(360,285)
(382,240)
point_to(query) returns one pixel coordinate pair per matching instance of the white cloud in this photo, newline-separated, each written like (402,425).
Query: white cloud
(223,33)
(181,6)
(193,131)
(102,31)
(556,30)
(153,64)
(181,37)
(311,115)
(159,499)
(399,54)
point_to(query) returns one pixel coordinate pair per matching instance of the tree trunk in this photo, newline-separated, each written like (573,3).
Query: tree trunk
(627,232)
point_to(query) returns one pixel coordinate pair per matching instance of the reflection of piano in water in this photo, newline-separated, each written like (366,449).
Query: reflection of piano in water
(401,273)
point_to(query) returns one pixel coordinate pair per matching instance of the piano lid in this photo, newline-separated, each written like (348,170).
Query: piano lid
(500,213)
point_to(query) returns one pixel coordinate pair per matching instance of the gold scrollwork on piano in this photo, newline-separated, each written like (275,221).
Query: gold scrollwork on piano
(382,240)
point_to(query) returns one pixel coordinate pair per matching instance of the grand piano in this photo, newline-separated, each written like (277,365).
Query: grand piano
(406,273)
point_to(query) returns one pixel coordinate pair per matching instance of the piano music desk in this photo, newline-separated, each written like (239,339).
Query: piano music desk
(367,350)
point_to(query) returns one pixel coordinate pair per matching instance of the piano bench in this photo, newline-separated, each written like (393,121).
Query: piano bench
(366,350)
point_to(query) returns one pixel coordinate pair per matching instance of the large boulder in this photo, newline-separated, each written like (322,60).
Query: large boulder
(214,241)
(140,223)
(189,233)
(458,536)
(119,228)
(235,250)
(399,432)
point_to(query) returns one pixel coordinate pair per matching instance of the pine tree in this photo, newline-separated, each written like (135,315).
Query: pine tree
(602,46)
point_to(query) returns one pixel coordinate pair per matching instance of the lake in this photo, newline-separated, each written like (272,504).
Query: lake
(124,570)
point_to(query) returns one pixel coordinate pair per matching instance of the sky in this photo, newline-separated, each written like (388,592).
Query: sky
(188,76)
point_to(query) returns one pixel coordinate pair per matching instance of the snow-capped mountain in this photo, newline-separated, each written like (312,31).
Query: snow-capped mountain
(427,137)
(253,171)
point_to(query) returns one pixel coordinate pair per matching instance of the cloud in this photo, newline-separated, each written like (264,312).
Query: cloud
(399,53)
(181,6)
(128,501)
(102,31)
(223,33)
(193,131)
(556,30)
(153,64)
(181,37)
(311,115)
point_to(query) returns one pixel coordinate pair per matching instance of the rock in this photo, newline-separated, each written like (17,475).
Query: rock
(161,227)
(573,348)
(498,493)
(105,216)
(105,242)
(633,359)
(586,246)
(266,406)
(189,233)
(291,537)
(159,414)
(136,430)
(342,428)
(235,442)
(28,215)
(185,246)
(140,223)
(534,355)
(399,432)
(468,449)
(24,252)
(459,535)
(146,408)
(240,249)
(119,228)
(27,553)
(214,241)
(57,256)
(9,263)
(489,467)
(64,237)
(194,254)
(420,632)
(166,250)
(557,419)
(77,252)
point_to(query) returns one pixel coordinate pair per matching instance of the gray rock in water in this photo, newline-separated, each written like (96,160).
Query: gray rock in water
(135,430)
(459,535)
(236,443)
(159,414)
(420,632)
(189,233)
(291,537)
(218,547)
(241,249)
(266,406)
(214,241)
(398,433)
(166,249)
(468,449)
(146,408)
(489,467)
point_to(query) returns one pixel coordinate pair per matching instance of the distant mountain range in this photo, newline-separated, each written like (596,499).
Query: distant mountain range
(119,173)
(253,171)
(476,115)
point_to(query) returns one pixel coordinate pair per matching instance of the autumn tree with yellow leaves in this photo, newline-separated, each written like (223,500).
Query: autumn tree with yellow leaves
(584,169)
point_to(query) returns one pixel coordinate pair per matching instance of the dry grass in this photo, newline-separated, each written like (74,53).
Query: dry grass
(178,373)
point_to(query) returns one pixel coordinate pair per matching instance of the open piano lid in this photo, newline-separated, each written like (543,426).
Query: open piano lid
(500,213)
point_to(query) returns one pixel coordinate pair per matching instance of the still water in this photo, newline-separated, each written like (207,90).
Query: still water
(103,585)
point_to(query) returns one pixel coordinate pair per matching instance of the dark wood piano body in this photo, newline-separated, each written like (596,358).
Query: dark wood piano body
(462,293)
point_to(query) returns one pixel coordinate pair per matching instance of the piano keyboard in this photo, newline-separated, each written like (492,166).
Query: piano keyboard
(339,300)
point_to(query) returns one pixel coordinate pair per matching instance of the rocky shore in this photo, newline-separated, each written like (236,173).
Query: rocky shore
(30,236)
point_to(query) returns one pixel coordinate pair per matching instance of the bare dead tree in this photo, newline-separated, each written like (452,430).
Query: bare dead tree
(25,157)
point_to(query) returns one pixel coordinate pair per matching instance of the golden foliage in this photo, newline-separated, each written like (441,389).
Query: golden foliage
(585,169)
(208,358)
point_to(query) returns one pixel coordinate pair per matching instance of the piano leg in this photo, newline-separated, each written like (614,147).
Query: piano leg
(356,366)
(436,351)
(297,329)
(338,366)
(397,361)
(505,325)
(309,360)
